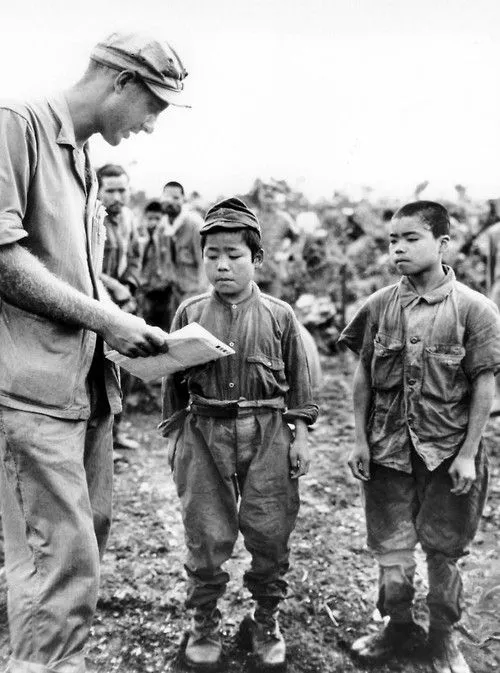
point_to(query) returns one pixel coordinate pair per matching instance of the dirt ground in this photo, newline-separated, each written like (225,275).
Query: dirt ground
(141,619)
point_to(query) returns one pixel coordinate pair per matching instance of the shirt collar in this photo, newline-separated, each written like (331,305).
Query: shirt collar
(250,299)
(408,294)
(59,107)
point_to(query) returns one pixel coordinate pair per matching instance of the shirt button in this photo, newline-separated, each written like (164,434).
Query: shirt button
(231,343)
(234,306)
(411,382)
(231,385)
(415,340)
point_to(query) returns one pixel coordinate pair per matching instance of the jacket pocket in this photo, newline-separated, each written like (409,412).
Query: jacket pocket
(387,363)
(444,377)
(265,371)
(39,359)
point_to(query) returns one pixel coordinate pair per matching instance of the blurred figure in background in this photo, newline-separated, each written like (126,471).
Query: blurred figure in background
(121,265)
(488,244)
(156,290)
(278,234)
(182,230)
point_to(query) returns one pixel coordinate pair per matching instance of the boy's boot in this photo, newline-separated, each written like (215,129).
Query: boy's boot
(396,638)
(261,634)
(445,655)
(204,646)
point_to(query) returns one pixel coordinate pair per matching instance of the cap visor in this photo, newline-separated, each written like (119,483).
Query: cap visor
(225,224)
(167,95)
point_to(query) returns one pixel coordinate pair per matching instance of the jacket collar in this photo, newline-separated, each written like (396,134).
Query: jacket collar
(253,297)
(59,107)
(408,294)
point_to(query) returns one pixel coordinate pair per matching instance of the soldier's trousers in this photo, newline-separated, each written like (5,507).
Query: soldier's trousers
(56,485)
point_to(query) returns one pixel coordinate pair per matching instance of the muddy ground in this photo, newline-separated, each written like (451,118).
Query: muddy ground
(141,620)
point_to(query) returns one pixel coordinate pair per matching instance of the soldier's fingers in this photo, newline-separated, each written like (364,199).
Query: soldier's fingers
(157,338)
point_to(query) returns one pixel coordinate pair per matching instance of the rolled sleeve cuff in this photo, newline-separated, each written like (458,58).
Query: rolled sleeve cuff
(308,414)
(486,367)
(345,341)
(175,421)
(11,229)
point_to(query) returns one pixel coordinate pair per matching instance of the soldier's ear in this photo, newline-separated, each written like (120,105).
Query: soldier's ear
(123,78)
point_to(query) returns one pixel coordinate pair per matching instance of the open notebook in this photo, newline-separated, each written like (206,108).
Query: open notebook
(191,345)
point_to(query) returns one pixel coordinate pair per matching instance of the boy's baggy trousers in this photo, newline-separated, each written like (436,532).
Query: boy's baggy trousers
(404,509)
(218,464)
(56,485)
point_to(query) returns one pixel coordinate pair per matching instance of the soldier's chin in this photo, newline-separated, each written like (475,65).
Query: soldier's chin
(113,139)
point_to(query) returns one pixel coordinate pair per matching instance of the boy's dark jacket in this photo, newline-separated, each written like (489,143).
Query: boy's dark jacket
(269,364)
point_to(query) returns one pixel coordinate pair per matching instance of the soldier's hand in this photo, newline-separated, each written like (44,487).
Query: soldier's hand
(131,336)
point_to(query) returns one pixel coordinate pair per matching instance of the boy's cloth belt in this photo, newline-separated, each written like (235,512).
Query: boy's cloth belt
(233,409)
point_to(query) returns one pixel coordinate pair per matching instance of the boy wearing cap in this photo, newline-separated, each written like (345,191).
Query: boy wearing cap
(234,460)
(58,394)
(429,348)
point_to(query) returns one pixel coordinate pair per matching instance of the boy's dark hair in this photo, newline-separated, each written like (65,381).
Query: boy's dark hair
(250,238)
(431,213)
(110,171)
(175,184)
(153,207)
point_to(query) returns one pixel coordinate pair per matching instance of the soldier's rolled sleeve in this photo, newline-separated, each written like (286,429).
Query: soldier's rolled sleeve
(358,334)
(299,399)
(17,162)
(482,345)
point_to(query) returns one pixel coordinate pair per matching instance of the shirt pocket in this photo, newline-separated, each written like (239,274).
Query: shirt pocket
(265,372)
(444,376)
(387,363)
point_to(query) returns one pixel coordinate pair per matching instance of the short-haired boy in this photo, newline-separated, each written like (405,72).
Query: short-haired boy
(429,349)
(234,460)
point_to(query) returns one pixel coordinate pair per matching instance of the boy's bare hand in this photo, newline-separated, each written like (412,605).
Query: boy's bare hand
(131,336)
(463,474)
(300,458)
(359,462)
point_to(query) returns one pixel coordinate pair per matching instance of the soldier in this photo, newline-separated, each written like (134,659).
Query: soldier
(182,228)
(278,233)
(156,274)
(121,265)
(58,393)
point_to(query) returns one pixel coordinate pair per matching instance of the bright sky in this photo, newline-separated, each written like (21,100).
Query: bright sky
(327,94)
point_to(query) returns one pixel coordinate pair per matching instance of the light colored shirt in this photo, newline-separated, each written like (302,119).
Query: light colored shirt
(48,204)
(423,352)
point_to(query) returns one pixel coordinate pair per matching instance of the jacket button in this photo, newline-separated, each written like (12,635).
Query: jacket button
(231,385)
(411,382)
(415,340)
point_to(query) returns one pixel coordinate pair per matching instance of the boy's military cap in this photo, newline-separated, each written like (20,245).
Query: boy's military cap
(154,62)
(230,214)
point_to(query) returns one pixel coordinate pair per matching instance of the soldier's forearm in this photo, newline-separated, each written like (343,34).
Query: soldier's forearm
(28,284)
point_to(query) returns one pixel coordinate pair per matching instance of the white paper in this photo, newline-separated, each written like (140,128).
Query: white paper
(189,346)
